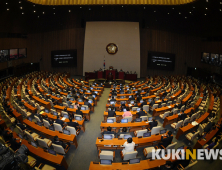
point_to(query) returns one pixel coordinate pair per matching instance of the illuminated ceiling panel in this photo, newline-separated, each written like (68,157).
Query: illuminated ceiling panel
(111,2)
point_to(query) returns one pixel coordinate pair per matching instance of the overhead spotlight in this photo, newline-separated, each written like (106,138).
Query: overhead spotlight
(168,13)
(205,14)
(193,6)
(53,8)
(7,9)
(33,5)
(6,3)
(122,6)
(89,8)
(206,8)
(20,2)
(102,6)
(206,0)
(43,12)
(22,13)
(54,13)
(172,8)
(185,17)
(38,16)
(179,13)
(69,10)
(195,68)
(34,11)
(80,7)
(220,2)
(190,12)
(144,7)
(220,10)
(154,11)
(21,7)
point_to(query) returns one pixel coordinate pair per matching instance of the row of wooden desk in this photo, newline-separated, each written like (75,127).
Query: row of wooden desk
(50,134)
(41,153)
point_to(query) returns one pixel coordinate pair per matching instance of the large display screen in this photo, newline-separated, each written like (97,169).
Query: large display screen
(64,58)
(163,61)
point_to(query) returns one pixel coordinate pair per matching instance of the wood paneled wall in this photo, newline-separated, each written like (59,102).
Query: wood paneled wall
(187,49)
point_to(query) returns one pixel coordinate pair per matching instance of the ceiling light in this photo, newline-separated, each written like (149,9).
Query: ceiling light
(102,6)
(154,11)
(43,12)
(21,7)
(168,13)
(34,11)
(7,9)
(80,7)
(179,13)
(54,13)
(220,9)
(190,12)
(20,2)
(205,14)
(122,6)
(185,17)
(220,2)
(53,8)
(172,8)
(206,0)
(206,8)
(33,5)
(69,10)
(22,13)
(6,3)
(38,16)
(193,6)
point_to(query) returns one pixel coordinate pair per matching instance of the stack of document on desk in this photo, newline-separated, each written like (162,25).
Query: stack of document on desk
(63,118)
(194,123)
(130,105)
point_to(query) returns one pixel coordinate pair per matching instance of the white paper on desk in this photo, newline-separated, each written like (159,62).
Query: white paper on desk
(169,106)
(63,118)
(130,105)
(194,123)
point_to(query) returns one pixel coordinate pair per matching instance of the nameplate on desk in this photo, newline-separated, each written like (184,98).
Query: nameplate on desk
(99,137)
(120,138)
(124,163)
(107,145)
(95,162)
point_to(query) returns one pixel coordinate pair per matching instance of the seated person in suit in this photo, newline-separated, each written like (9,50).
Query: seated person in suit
(152,102)
(73,124)
(152,124)
(111,113)
(87,103)
(141,113)
(131,98)
(124,131)
(112,99)
(76,105)
(129,146)
(212,144)
(58,142)
(127,113)
(68,102)
(166,139)
(22,126)
(79,112)
(159,106)
(59,121)
(47,119)
(144,103)
(138,98)
(209,126)
(108,131)
(183,116)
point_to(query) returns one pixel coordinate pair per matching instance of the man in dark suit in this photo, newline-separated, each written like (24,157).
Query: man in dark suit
(166,139)
(141,113)
(111,113)
(113,99)
(22,126)
(59,121)
(138,98)
(108,131)
(152,124)
(124,131)
(57,142)
(87,103)
(183,116)
(209,126)
(79,112)
(73,124)
(144,103)
(152,102)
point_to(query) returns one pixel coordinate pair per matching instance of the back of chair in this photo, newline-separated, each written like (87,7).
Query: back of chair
(71,129)
(29,136)
(179,124)
(144,118)
(194,136)
(171,146)
(141,132)
(186,120)
(87,107)
(64,113)
(134,108)
(57,127)
(20,130)
(146,108)
(58,149)
(155,130)
(46,123)
(200,129)
(175,111)
(166,114)
(65,104)
(37,118)
(112,118)
(155,106)
(78,116)
(130,155)
(106,155)
(129,118)
(42,143)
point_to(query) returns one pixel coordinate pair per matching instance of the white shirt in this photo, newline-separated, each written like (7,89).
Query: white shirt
(129,147)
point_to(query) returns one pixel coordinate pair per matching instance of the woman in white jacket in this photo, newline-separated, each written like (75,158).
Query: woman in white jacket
(129,146)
